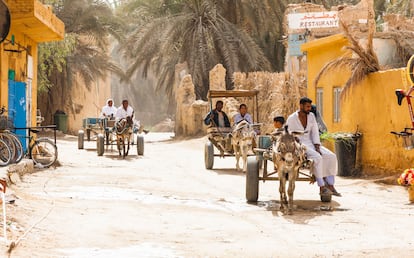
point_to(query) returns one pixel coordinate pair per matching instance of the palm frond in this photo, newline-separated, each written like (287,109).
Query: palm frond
(363,62)
(198,35)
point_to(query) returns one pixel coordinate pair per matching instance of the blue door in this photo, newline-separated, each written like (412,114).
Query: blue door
(17,109)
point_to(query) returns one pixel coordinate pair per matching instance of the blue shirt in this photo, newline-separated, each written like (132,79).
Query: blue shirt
(238,118)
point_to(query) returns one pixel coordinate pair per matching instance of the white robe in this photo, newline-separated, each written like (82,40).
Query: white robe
(122,113)
(325,165)
(108,111)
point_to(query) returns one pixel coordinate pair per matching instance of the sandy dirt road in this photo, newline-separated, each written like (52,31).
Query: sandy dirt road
(166,204)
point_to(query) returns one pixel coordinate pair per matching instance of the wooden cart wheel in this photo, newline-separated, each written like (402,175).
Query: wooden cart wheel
(100,144)
(209,155)
(81,136)
(140,145)
(252,179)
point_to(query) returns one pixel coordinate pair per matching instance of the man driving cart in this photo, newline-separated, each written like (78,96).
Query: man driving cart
(218,118)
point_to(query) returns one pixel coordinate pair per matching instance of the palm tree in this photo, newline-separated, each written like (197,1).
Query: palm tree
(84,51)
(191,31)
(263,21)
(88,24)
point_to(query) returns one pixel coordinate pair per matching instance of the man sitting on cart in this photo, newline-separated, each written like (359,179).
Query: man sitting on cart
(217,117)
(325,164)
(124,111)
(242,115)
(109,110)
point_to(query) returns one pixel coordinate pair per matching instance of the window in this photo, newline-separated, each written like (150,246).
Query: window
(336,104)
(319,100)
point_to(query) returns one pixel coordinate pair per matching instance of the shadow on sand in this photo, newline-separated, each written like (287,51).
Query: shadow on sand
(228,171)
(303,211)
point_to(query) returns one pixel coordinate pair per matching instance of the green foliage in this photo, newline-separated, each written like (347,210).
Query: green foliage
(348,139)
(84,51)
(198,34)
(52,56)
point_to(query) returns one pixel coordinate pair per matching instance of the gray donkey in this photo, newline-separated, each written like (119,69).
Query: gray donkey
(288,156)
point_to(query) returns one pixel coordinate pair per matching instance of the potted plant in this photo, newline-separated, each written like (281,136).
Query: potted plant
(345,149)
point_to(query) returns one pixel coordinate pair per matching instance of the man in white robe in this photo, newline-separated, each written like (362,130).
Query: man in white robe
(124,111)
(109,109)
(325,164)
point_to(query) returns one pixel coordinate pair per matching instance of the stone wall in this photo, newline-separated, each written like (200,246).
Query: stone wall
(189,112)
(279,94)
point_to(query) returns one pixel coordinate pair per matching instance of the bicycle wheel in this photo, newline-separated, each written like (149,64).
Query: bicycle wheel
(10,143)
(5,155)
(19,148)
(43,152)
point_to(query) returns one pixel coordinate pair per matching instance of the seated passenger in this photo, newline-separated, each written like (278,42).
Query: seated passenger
(278,122)
(109,110)
(217,117)
(243,115)
(321,124)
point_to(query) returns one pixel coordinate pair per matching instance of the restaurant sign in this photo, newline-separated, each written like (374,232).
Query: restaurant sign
(313,20)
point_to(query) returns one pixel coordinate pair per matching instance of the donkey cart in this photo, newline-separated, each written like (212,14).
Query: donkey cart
(220,137)
(105,134)
(259,163)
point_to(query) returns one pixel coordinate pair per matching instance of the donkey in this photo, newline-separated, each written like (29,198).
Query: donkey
(288,157)
(242,139)
(123,135)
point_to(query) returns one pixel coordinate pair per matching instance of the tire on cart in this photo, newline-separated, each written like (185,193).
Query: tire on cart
(81,135)
(100,144)
(326,197)
(252,179)
(140,145)
(209,155)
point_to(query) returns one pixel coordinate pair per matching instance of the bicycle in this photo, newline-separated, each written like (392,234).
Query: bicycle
(41,150)
(10,139)
(407,133)
(5,154)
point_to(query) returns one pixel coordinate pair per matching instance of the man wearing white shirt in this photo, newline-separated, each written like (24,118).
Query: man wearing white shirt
(325,164)
(109,110)
(124,111)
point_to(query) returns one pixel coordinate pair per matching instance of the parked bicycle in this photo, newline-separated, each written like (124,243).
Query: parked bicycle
(5,155)
(42,151)
(11,140)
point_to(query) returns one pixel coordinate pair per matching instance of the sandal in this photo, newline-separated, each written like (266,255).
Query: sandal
(333,190)
(325,191)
